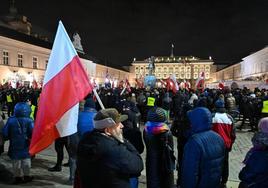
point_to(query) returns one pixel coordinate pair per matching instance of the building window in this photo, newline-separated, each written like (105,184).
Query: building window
(195,76)
(20,60)
(188,76)
(170,69)
(35,61)
(5,57)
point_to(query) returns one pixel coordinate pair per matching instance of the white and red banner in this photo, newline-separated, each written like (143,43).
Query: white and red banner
(65,84)
(200,82)
(173,84)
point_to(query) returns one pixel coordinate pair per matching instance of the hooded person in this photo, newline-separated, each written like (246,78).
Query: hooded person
(104,157)
(160,163)
(85,117)
(255,172)
(203,152)
(18,130)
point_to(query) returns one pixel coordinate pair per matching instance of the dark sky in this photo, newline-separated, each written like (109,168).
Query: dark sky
(119,30)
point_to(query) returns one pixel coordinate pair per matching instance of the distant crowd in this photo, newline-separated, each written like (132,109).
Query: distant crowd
(106,150)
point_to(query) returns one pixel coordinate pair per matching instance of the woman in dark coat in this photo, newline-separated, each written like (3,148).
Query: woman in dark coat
(156,135)
(255,172)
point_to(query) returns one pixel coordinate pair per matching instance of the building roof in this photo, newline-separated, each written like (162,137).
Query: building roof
(13,34)
(175,59)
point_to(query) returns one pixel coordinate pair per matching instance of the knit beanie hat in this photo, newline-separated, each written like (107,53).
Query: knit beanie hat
(219,103)
(157,115)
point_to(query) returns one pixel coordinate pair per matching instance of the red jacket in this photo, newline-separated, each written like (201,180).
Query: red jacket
(222,123)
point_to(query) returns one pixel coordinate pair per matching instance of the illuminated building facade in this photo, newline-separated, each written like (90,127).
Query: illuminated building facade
(186,68)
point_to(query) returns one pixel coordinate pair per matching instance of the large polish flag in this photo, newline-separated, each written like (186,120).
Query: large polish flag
(65,84)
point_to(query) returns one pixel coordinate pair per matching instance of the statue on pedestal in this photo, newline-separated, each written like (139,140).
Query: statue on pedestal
(150,80)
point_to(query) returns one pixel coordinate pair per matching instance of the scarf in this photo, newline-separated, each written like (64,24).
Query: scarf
(156,127)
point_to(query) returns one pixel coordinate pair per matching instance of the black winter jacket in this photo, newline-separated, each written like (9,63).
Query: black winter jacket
(103,161)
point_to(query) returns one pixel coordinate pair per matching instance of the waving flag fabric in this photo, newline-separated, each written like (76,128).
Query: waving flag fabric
(65,84)
(200,82)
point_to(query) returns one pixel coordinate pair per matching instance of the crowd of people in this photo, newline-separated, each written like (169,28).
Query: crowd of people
(106,150)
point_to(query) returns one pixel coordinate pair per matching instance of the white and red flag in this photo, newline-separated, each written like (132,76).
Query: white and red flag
(221,85)
(200,82)
(173,83)
(65,84)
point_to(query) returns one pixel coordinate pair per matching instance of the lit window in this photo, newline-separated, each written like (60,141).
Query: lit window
(20,60)
(35,61)
(5,57)
(188,76)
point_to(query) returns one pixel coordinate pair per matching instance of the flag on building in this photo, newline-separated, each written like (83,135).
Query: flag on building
(200,82)
(65,84)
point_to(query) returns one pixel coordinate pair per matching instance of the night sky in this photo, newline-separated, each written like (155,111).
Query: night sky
(119,30)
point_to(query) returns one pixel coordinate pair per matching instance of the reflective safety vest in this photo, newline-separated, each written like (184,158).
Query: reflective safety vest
(150,101)
(9,99)
(32,112)
(264,107)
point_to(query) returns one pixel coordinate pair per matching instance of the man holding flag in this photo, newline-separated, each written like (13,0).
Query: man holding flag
(65,84)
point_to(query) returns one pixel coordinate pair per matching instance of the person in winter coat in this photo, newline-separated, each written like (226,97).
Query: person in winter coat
(85,117)
(18,130)
(2,141)
(230,102)
(133,134)
(255,172)
(203,153)
(104,157)
(156,136)
(223,124)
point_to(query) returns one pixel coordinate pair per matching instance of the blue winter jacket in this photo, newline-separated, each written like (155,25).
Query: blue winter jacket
(18,130)
(203,153)
(85,121)
(255,173)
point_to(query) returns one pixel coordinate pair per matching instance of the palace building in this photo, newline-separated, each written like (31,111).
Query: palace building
(186,68)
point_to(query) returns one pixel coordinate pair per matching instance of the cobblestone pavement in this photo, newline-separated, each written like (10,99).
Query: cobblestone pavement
(47,158)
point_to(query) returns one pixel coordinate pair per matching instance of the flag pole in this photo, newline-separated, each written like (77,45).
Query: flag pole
(98,98)
(123,90)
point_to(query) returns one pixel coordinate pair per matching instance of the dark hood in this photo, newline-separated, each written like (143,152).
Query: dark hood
(200,119)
